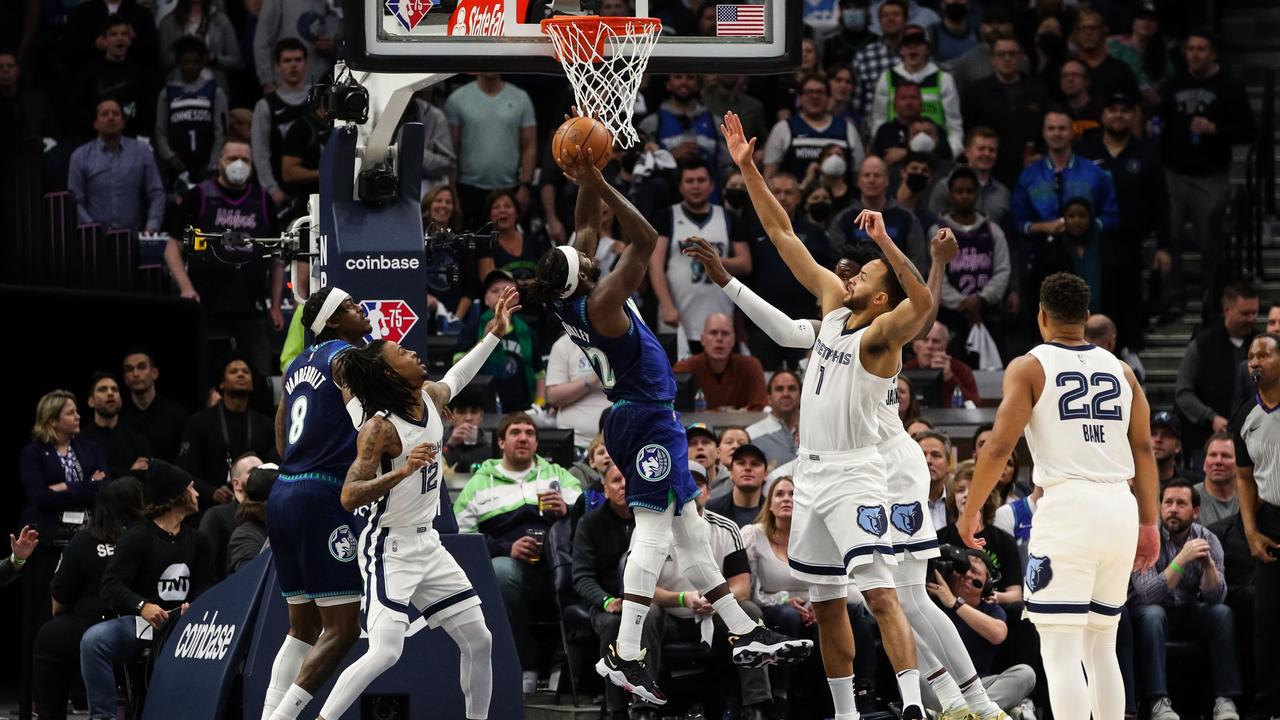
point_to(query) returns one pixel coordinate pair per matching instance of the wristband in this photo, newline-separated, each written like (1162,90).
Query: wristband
(17,561)
(1176,567)
(680,600)
(605,604)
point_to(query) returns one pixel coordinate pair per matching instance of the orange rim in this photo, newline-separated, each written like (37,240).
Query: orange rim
(589,26)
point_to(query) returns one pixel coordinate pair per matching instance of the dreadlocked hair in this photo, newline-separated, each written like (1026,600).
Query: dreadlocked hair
(372,381)
(312,308)
(549,279)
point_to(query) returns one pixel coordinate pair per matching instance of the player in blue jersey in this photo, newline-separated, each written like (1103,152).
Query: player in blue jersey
(312,541)
(643,433)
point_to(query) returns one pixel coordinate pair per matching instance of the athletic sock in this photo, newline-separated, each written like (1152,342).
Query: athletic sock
(944,686)
(842,698)
(294,700)
(737,620)
(975,696)
(909,686)
(283,672)
(633,614)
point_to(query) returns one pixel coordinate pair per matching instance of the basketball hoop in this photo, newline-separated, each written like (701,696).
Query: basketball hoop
(605,58)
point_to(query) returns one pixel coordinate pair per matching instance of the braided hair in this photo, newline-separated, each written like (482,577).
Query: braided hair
(378,387)
(549,279)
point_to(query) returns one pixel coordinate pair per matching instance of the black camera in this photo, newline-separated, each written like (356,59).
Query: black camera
(344,99)
(952,560)
(378,185)
(446,242)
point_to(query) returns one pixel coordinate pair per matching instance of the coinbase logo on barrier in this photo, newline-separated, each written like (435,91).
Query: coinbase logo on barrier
(205,640)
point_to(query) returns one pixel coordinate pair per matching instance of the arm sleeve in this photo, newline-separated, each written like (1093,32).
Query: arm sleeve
(1109,214)
(260,134)
(776,324)
(993,292)
(226,51)
(1023,211)
(438,158)
(123,566)
(37,489)
(1184,388)
(584,567)
(775,148)
(951,110)
(856,149)
(460,375)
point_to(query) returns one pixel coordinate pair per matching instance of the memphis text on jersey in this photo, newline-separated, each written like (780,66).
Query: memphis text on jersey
(826,353)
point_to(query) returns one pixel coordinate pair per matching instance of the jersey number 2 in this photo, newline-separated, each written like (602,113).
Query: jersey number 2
(1078,388)
(596,357)
(297,416)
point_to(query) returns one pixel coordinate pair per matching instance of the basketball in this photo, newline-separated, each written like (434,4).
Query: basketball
(582,132)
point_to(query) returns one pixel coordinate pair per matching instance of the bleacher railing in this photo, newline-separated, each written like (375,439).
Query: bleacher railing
(1255,203)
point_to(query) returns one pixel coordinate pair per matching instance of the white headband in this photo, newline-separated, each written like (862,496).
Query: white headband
(570,254)
(331,303)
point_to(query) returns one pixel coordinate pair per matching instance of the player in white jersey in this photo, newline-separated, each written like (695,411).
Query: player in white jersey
(395,480)
(840,522)
(913,537)
(1087,425)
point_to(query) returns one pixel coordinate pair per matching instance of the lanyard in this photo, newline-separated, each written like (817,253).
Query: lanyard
(226,439)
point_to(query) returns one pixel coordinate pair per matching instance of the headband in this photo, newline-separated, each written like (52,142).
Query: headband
(331,303)
(571,255)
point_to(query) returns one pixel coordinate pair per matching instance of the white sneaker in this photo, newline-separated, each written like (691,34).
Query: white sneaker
(1225,709)
(1162,709)
(530,680)
(1026,710)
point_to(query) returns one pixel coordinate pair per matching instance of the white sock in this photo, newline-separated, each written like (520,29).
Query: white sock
(295,698)
(975,696)
(283,672)
(909,686)
(944,686)
(633,615)
(734,617)
(842,698)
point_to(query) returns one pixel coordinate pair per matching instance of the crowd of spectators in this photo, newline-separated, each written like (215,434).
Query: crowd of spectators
(1090,139)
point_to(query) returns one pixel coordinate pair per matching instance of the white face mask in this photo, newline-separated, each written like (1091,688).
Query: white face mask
(922,143)
(834,166)
(238,172)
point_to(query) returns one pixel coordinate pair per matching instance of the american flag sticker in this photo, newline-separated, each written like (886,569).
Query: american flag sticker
(739,20)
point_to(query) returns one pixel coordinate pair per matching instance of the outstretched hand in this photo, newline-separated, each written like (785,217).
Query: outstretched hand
(508,303)
(24,543)
(740,149)
(699,249)
(582,168)
(943,246)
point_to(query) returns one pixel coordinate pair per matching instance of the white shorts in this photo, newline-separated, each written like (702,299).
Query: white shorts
(1083,539)
(407,573)
(839,521)
(910,525)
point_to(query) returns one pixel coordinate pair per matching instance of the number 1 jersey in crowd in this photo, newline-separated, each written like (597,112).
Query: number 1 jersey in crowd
(318,435)
(633,366)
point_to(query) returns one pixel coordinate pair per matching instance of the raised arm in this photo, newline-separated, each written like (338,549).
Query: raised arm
(462,372)
(943,248)
(818,280)
(780,328)
(898,326)
(586,214)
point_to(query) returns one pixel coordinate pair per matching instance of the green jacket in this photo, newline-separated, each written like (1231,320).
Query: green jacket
(504,509)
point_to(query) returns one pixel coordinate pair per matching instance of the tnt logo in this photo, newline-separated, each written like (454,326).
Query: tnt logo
(391,319)
(409,12)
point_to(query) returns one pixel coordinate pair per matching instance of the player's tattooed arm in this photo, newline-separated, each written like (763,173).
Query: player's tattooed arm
(279,427)
(377,439)
(895,328)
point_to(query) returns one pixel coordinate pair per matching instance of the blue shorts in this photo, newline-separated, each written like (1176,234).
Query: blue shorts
(648,444)
(313,538)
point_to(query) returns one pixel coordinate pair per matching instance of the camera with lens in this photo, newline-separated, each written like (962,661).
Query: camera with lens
(343,99)
(954,560)
(450,244)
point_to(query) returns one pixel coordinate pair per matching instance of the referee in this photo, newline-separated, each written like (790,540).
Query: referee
(1257,438)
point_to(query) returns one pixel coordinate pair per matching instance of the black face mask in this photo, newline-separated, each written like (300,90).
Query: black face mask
(1050,44)
(736,197)
(955,12)
(820,211)
(916,182)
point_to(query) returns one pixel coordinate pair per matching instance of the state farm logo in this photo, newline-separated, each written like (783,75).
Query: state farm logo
(391,319)
(409,12)
(382,262)
(478,17)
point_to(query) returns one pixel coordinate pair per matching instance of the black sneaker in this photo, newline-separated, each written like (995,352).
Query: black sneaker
(630,675)
(763,646)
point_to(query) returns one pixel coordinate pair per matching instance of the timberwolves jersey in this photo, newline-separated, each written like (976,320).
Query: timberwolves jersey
(1079,427)
(693,292)
(191,122)
(318,436)
(840,400)
(415,501)
(807,143)
(631,367)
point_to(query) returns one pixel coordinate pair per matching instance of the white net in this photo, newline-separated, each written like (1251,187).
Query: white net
(605,59)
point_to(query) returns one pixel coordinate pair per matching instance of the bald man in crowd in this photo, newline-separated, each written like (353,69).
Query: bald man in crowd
(727,379)
(1101,331)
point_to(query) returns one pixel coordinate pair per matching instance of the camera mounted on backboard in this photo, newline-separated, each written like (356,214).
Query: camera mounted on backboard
(344,99)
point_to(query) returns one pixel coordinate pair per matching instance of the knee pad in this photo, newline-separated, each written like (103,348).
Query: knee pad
(650,543)
(823,593)
(693,550)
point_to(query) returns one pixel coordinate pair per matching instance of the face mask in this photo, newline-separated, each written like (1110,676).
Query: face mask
(820,211)
(922,143)
(834,166)
(1050,44)
(955,12)
(916,182)
(855,19)
(238,172)
(736,197)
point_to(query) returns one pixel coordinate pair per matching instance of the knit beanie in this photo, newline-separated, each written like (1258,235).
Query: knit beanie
(165,482)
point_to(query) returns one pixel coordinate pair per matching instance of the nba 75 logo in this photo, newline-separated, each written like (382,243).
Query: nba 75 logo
(409,12)
(390,319)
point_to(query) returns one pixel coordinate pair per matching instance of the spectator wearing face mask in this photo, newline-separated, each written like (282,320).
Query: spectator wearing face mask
(915,185)
(909,130)
(940,100)
(854,34)
(902,225)
(831,173)
(796,144)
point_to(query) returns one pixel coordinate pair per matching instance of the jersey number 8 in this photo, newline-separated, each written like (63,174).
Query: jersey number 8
(297,415)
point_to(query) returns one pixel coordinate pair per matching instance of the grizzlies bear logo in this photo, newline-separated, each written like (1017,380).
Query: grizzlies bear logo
(1039,572)
(871,519)
(908,518)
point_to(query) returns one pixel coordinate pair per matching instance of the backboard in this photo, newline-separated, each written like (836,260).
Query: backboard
(455,36)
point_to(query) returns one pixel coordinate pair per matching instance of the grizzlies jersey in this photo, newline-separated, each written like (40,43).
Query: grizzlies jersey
(631,367)
(887,410)
(695,295)
(840,400)
(414,501)
(1079,427)
(318,435)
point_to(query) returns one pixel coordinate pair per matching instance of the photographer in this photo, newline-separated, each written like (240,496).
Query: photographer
(962,584)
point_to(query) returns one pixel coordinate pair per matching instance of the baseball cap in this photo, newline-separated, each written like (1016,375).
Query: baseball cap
(1167,420)
(700,429)
(496,275)
(749,449)
(696,468)
(914,34)
(258,487)
(1121,98)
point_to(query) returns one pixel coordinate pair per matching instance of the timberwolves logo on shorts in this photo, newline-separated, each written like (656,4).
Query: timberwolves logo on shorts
(342,544)
(907,518)
(1039,572)
(871,519)
(653,463)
